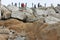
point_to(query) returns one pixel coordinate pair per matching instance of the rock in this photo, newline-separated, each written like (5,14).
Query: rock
(49,34)
(24,14)
(12,8)
(37,30)
(5,12)
(51,20)
(11,22)
(1,23)
(29,28)
(3,37)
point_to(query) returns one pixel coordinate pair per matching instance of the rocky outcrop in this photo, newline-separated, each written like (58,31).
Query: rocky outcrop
(44,26)
(37,30)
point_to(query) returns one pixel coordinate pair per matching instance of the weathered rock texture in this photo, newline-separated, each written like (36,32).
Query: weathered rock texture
(35,31)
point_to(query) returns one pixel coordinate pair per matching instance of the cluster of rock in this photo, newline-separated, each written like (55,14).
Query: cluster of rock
(30,14)
(23,23)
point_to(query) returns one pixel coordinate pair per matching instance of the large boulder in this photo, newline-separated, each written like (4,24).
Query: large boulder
(32,33)
(29,28)
(5,12)
(23,14)
(37,30)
